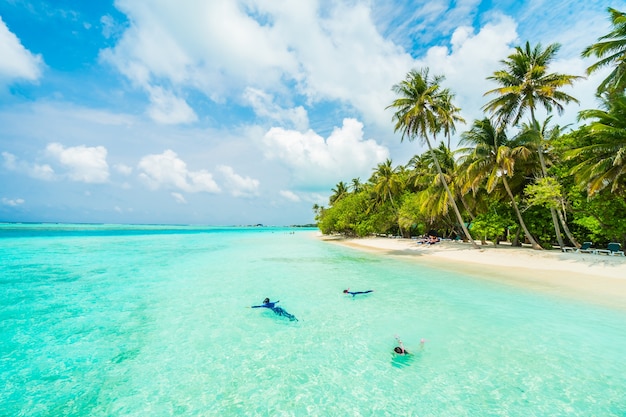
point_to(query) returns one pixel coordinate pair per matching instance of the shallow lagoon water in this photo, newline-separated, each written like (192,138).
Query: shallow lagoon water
(147,320)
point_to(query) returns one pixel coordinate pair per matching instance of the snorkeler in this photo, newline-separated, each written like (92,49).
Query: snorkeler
(279,311)
(353,293)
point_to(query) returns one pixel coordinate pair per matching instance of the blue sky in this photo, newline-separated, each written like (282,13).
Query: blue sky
(229,112)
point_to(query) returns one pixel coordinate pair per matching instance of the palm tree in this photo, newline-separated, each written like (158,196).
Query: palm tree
(490,160)
(525,84)
(449,116)
(603,161)
(356,185)
(420,109)
(611,49)
(540,135)
(340,191)
(386,182)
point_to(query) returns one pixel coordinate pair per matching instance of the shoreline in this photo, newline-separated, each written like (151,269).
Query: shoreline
(596,279)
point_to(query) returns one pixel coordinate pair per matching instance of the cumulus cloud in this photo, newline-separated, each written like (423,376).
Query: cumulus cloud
(34,170)
(317,162)
(264,106)
(168,171)
(83,163)
(17,62)
(223,48)
(237,185)
(290,195)
(470,59)
(166,108)
(12,202)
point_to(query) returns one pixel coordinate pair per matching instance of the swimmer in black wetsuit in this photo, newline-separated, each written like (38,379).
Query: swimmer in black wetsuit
(353,293)
(272,306)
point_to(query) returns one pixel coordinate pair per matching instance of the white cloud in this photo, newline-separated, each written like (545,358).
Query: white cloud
(41,172)
(180,199)
(166,108)
(290,195)
(12,202)
(237,185)
(17,62)
(470,59)
(123,169)
(168,171)
(219,48)
(317,162)
(264,106)
(84,163)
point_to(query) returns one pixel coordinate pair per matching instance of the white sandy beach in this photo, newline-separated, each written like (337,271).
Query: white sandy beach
(600,279)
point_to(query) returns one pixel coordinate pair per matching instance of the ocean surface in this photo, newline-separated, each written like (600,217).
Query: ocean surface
(101,320)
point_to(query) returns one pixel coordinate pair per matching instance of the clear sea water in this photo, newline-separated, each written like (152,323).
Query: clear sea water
(152,321)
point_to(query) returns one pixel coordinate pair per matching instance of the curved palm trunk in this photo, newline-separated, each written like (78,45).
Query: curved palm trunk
(396,210)
(555,221)
(533,242)
(544,173)
(569,234)
(466,207)
(450,196)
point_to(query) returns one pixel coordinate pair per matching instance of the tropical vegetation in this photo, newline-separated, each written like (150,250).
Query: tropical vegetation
(514,177)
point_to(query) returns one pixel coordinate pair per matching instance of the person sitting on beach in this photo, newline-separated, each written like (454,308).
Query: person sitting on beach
(353,293)
(433,239)
(277,310)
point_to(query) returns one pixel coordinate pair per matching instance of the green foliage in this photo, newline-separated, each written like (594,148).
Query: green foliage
(494,224)
(508,184)
(545,192)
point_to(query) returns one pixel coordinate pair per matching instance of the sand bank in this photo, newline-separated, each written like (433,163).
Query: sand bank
(600,279)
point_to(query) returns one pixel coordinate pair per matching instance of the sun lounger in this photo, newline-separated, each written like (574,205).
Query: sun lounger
(586,248)
(612,248)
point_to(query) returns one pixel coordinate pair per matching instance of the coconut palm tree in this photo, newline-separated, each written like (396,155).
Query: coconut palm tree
(340,191)
(420,110)
(525,84)
(611,49)
(540,136)
(357,185)
(386,183)
(603,161)
(491,159)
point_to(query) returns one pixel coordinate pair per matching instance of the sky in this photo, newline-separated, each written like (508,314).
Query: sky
(239,112)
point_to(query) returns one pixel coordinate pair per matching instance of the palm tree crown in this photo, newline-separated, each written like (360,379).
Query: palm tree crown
(526,84)
(611,49)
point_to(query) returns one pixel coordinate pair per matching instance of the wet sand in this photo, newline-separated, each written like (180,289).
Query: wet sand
(592,278)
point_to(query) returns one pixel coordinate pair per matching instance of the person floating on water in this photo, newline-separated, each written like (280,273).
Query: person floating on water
(279,311)
(353,293)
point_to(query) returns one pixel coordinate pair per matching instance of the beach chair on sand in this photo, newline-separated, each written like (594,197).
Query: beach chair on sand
(612,248)
(586,248)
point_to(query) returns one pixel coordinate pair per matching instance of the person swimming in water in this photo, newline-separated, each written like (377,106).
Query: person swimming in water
(400,350)
(353,293)
(279,311)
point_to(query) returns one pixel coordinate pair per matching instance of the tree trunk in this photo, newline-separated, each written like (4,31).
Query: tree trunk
(533,242)
(569,234)
(544,173)
(450,196)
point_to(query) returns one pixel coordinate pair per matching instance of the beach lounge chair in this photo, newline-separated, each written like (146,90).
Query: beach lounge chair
(586,248)
(612,248)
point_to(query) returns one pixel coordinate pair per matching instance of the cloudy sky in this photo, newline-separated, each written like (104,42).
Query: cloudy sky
(229,112)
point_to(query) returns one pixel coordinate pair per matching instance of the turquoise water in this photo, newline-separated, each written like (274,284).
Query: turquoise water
(152,321)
